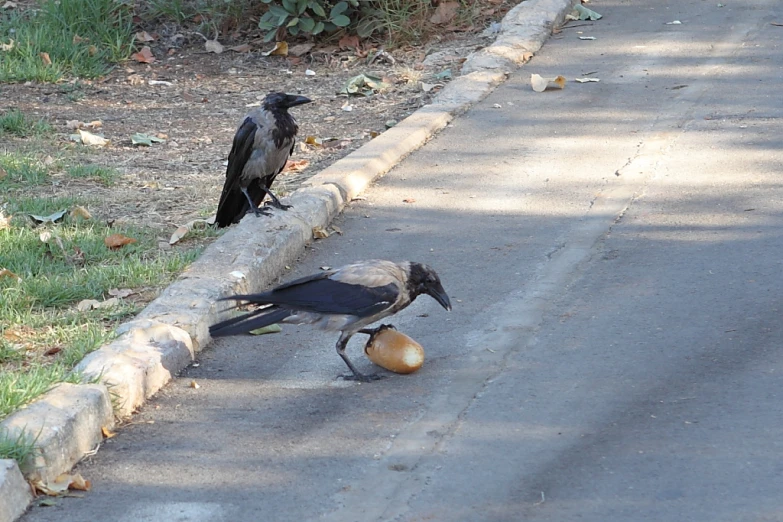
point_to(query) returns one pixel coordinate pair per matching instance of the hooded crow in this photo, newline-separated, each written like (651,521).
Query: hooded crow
(262,145)
(344,299)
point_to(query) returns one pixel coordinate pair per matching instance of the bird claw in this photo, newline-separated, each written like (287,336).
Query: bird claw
(362,377)
(259,212)
(374,331)
(279,205)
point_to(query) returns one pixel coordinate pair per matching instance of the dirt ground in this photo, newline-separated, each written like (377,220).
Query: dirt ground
(203,100)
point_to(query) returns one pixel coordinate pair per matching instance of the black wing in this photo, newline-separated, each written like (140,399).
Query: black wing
(233,204)
(320,294)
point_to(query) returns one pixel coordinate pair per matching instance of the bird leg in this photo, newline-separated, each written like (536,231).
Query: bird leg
(275,202)
(342,343)
(253,207)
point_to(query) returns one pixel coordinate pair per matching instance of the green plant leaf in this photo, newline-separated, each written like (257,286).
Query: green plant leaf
(290,6)
(294,30)
(293,22)
(319,27)
(301,6)
(317,9)
(329,27)
(307,24)
(278,11)
(338,9)
(270,35)
(267,21)
(340,20)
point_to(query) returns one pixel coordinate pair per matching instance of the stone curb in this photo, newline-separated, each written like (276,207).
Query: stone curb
(163,339)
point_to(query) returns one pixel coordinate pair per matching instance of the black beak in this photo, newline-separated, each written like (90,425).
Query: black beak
(292,100)
(439,294)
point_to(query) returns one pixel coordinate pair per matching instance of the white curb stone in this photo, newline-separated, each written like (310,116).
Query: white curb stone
(15,493)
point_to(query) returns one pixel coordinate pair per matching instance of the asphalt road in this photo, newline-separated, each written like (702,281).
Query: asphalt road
(614,255)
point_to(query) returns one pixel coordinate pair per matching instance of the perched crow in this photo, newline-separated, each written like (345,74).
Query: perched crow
(262,145)
(345,299)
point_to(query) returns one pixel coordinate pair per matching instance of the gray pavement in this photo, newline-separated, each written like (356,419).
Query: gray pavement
(614,257)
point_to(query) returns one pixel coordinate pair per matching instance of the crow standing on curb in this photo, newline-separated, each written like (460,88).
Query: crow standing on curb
(262,145)
(345,299)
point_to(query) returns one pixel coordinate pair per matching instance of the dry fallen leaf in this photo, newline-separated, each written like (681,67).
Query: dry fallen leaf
(121,293)
(178,234)
(349,42)
(320,233)
(5,221)
(93,140)
(116,241)
(51,218)
(296,165)
(300,49)
(107,433)
(4,272)
(135,79)
(314,141)
(244,48)
(144,36)
(280,49)
(9,5)
(54,350)
(7,46)
(194,385)
(183,230)
(144,55)
(80,211)
(213,46)
(45,58)
(539,83)
(88,304)
(444,13)
(409,200)
(61,484)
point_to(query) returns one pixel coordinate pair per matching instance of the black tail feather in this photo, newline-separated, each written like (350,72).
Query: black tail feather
(249,321)
(233,204)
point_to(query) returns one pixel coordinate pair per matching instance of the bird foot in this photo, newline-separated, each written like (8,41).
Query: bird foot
(259,212)
(374,331)
(279,205)
(360,377)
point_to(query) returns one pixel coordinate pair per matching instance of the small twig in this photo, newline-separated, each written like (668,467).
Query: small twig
(573,26)
(543,499)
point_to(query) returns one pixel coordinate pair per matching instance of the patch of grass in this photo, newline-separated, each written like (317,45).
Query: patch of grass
(42,333)
(17,123)
(177,10)
(81,38)
(106,176)
(403,21)
(208,15)
(19,388)
(21,170)
(19,448)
